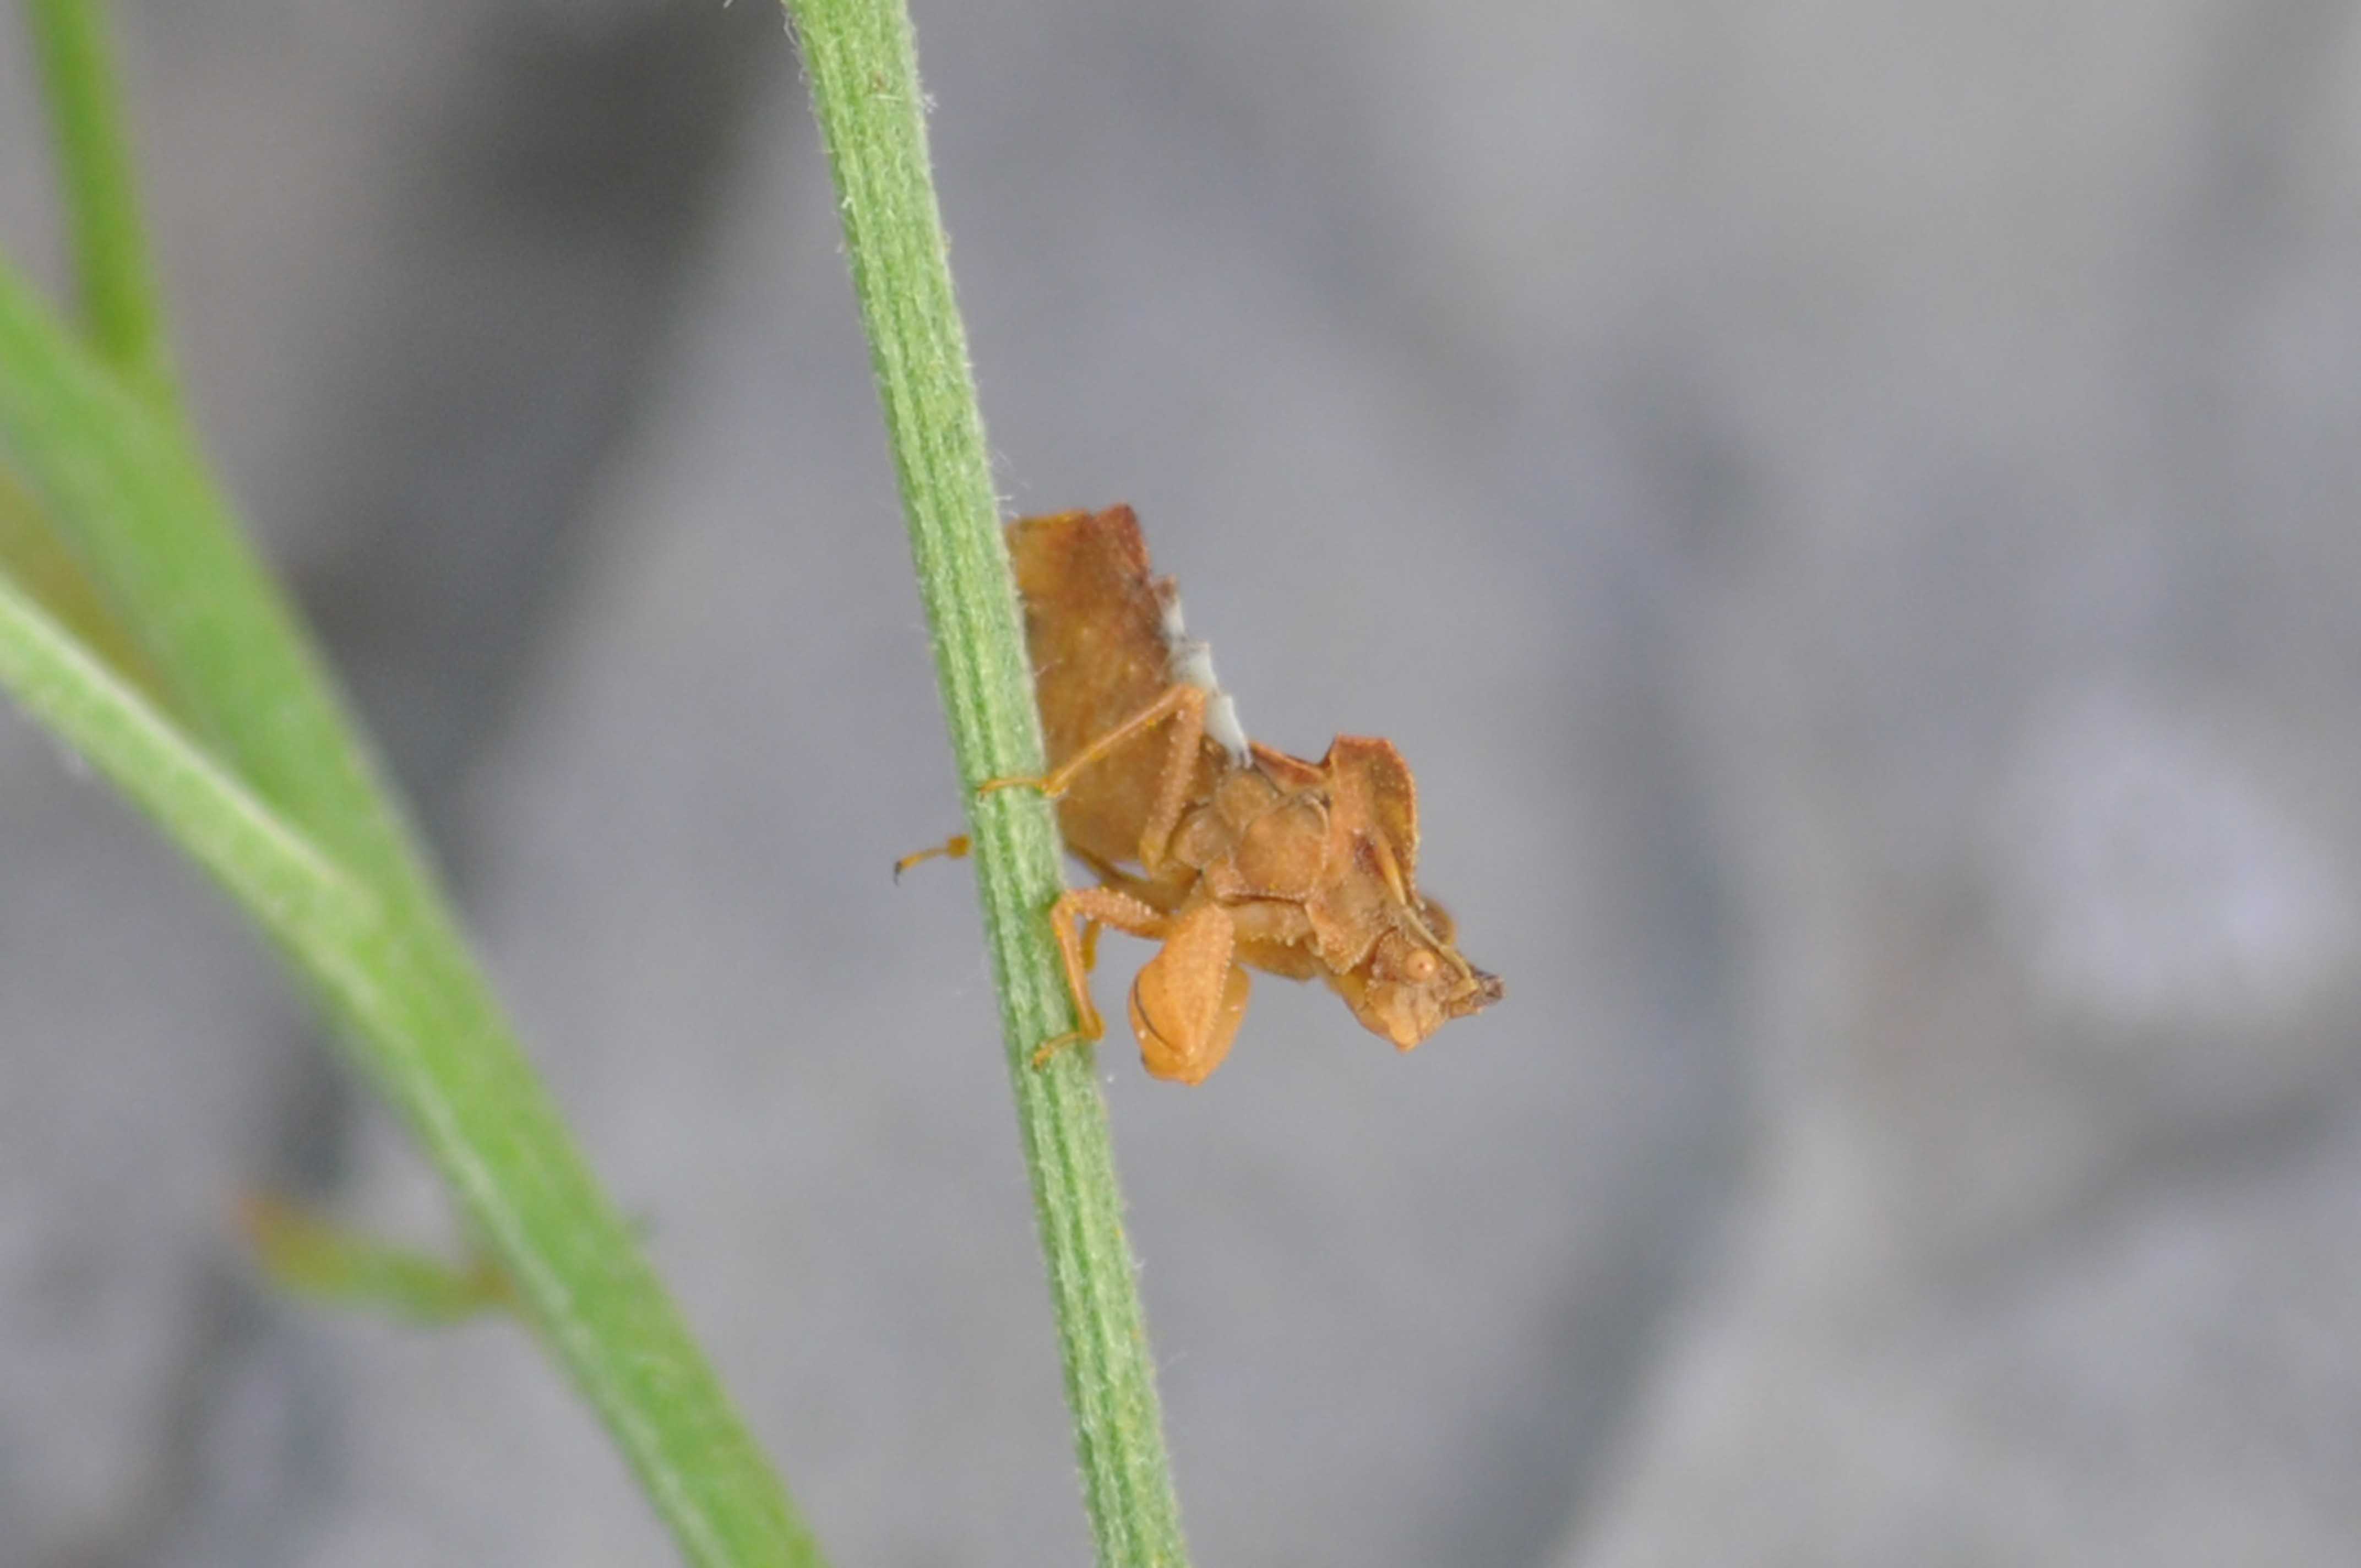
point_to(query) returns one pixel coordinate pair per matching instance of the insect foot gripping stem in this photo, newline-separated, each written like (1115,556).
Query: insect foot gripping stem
(1093,906)
(1179,699)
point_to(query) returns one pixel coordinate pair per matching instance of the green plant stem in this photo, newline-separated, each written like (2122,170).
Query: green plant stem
(40,562)
(124,488)
(115,276)
(864,86)
(281,802)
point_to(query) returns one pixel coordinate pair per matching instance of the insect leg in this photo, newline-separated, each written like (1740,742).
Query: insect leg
(1058,780)
(1187,1002)
(1179,768)
(1097,906)
(954,848)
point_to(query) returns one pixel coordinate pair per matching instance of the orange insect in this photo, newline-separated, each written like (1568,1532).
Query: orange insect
(1245,856)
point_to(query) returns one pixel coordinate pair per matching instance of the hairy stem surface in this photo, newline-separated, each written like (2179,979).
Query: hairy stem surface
(864,88)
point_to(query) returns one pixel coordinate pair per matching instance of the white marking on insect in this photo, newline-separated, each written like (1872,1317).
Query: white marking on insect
(1191,662)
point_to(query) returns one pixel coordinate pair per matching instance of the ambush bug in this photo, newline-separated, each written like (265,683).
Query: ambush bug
(1231,854)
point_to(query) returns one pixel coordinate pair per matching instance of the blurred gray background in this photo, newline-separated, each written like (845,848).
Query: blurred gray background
(1849,510)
